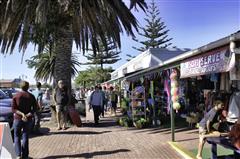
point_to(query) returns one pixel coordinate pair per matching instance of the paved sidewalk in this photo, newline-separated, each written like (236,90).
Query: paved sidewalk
(104,141)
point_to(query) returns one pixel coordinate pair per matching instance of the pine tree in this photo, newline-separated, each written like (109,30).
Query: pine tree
(155,31)
(109,55)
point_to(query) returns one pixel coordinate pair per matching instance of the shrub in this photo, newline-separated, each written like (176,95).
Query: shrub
(125,121)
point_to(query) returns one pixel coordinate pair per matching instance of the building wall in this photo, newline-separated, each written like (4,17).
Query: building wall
(6,84)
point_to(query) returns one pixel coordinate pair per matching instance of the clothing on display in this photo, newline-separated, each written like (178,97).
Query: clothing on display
(205,83)
(214,77)
(235,72)
(234,108)
(225,83)
(167,90)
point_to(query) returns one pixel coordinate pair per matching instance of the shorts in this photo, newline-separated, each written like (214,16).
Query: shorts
(202,131)
(61,108)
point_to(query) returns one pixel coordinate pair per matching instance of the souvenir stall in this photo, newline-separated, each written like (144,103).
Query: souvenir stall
(157,94)
(209,77)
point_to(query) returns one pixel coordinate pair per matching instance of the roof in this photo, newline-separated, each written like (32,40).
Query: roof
(6,81)
(162,54)
(167,53)
(149,58)
(218,43)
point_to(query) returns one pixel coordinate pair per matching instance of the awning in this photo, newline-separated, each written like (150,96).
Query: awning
(216,61)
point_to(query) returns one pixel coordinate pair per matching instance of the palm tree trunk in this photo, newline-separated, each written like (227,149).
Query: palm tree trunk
(63,46)
(62,68)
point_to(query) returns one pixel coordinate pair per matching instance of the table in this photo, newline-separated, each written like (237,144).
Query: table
(225,142)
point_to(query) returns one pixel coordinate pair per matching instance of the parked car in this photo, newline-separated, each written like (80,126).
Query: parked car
(6,114)
(10,92)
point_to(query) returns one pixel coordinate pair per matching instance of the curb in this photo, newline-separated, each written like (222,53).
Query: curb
(182,151)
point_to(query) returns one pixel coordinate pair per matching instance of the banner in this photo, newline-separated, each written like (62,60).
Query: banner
(219,60)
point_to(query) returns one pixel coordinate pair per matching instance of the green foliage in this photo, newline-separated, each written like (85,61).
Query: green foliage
(125,105)
(154,32)
(38,22)
(141,123)
(109,55)
(125,121)
(44,64)
(93,76)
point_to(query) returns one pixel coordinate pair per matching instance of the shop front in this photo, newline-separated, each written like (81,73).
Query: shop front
(189,83)
(209,77)
(157,93)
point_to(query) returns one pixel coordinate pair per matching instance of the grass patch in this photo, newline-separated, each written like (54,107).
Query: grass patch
(184,152)
(221,151)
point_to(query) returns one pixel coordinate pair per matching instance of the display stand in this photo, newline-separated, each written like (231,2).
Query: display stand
(138,103)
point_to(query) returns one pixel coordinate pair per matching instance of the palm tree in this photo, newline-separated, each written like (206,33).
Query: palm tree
(44,64)
(62,22)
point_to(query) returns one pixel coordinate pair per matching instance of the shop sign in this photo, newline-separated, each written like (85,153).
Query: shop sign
(220,60)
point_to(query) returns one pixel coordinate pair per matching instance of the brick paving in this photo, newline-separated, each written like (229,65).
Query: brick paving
(105,141)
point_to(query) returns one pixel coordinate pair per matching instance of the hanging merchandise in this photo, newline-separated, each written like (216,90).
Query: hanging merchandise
(167,90)
(174,90)
(235,71)
(225,82)
(142,80)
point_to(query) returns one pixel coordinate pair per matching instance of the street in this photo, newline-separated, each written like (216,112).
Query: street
(105,141)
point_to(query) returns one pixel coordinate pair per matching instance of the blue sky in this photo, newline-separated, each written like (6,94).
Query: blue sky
(192,23)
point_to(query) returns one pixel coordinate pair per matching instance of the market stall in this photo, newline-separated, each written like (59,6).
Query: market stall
(201,75)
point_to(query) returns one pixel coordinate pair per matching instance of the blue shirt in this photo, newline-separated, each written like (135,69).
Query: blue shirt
(38,94)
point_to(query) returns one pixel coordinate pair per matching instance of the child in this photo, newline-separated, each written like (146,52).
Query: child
(205,125)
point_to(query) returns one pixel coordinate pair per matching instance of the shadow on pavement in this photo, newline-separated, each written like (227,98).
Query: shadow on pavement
(88,155)
(101,124)
(187,139)
(79,132)
(168,131)
(43,131)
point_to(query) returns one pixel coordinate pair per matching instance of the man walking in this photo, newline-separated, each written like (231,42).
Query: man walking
(96,102)
(24,105)
(38,94)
